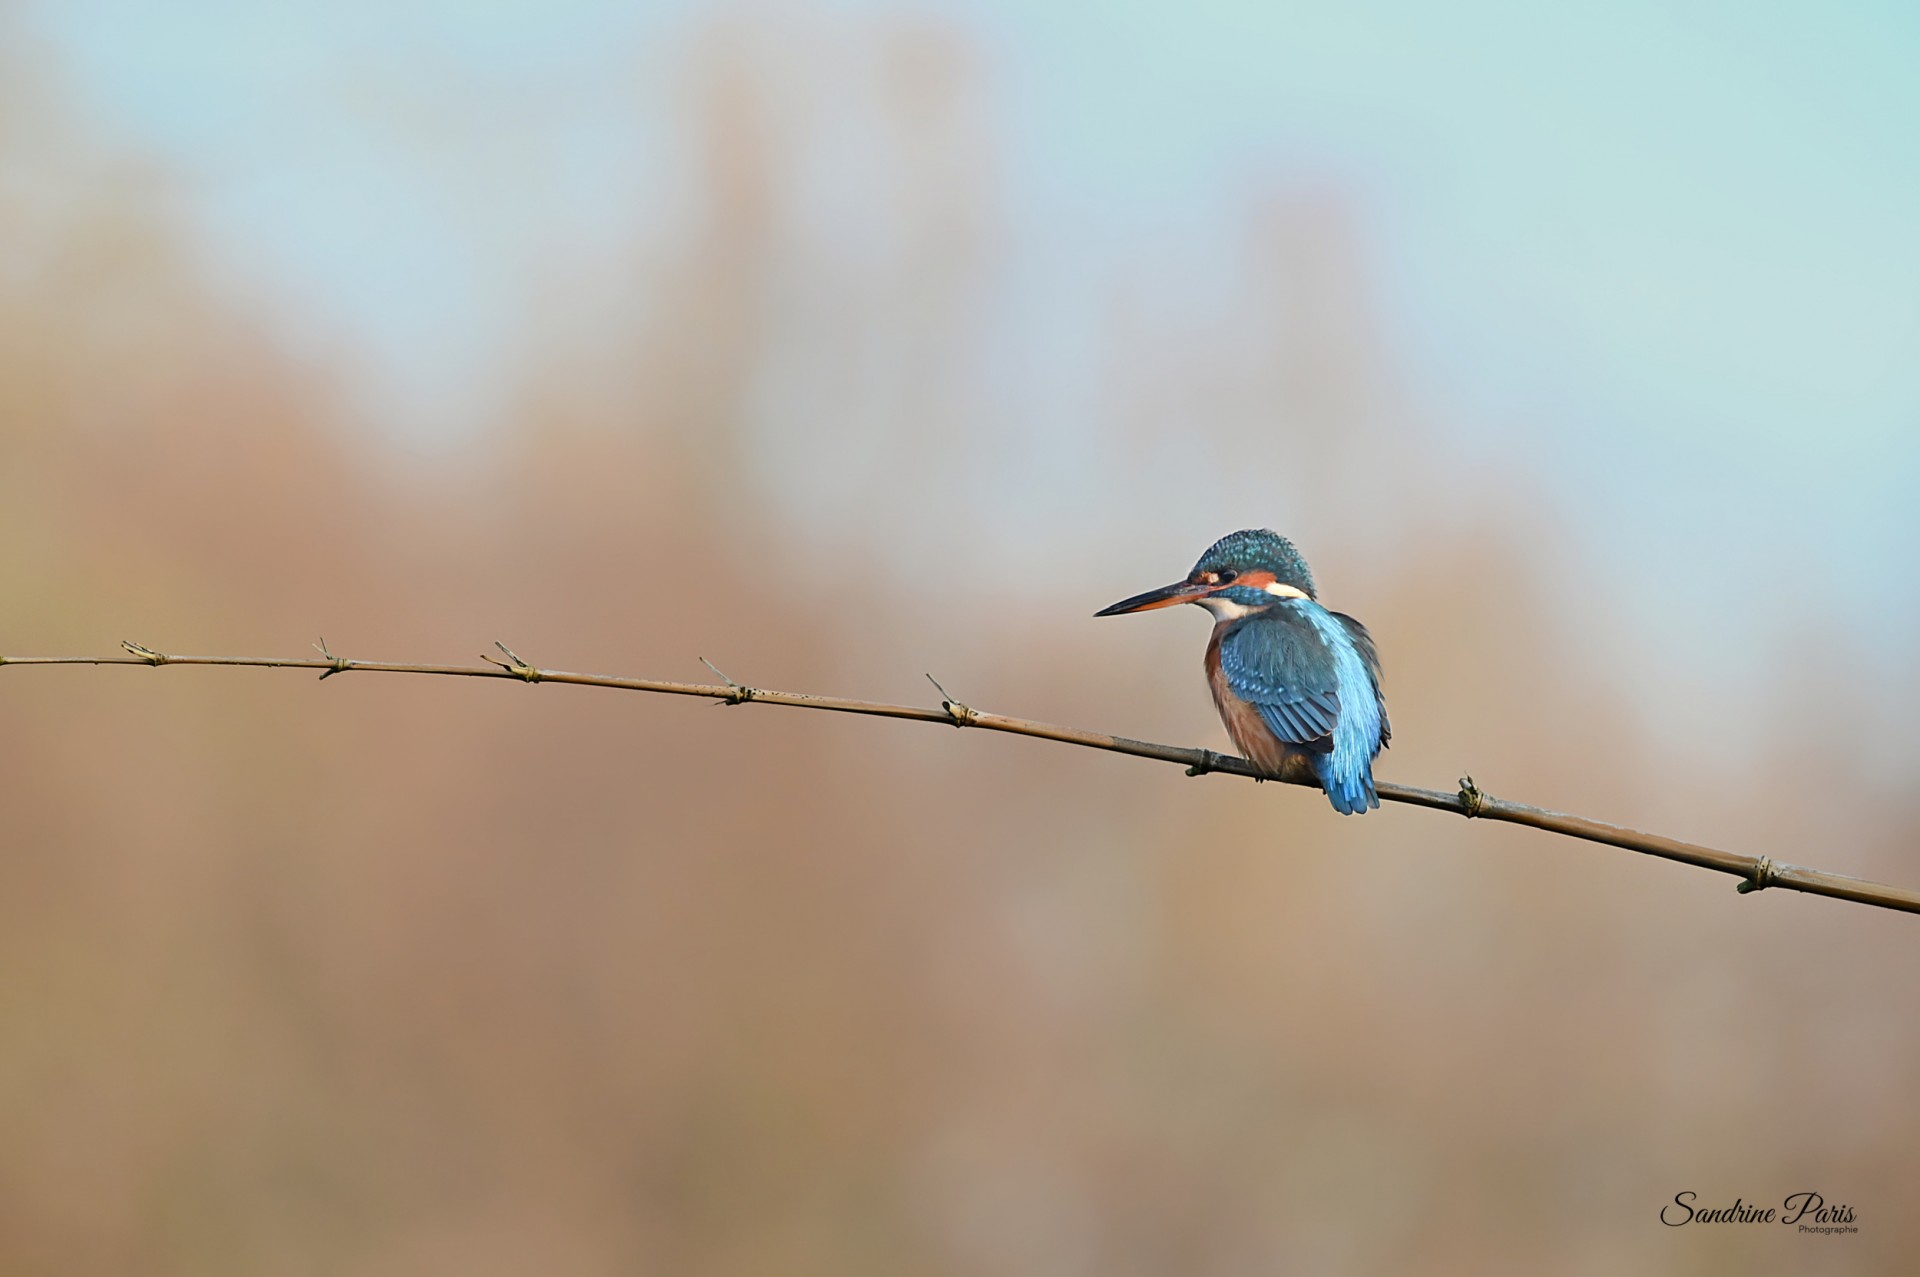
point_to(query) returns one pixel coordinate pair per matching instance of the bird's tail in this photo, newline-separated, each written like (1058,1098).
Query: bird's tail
(1350,794)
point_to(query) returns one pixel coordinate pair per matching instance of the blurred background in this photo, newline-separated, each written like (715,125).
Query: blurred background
(839,342)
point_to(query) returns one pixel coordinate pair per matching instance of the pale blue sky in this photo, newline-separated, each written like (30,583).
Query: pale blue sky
(1668,255)
(1712,206)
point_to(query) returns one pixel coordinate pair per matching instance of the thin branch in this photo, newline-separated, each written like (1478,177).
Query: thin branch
(1755,873)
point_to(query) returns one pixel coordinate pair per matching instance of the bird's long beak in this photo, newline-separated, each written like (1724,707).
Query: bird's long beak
(1165,596)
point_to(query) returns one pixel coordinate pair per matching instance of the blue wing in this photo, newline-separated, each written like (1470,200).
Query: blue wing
(1278,662)
(1314,678)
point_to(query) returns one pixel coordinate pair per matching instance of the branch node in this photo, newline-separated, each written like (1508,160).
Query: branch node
(146,654)
(339,666)
(738,693)
(962,715)
(1764,876)
(513,664)
(1209,761)
(1471,798)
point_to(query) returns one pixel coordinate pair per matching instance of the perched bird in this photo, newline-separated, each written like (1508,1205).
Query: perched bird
(1297,686)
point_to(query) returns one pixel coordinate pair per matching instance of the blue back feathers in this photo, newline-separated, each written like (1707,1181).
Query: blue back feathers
(1347,772)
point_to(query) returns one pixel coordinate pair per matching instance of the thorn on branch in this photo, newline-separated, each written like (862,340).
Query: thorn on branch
(339,666)
(513,664)
(737,694)
(1471,798)
(962,715)
(1209,761)
(146,654)
(1764,876)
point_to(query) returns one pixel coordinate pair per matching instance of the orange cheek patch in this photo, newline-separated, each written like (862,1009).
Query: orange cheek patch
(1267,583)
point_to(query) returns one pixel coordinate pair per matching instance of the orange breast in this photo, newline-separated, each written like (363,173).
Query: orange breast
(1250,734)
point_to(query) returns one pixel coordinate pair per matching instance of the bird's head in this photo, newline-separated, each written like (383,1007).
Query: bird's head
(1241,573)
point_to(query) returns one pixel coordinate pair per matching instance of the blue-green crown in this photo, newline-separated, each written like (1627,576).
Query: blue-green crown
(1258,550)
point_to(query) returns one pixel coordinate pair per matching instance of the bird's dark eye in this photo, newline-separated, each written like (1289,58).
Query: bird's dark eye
(1227,576)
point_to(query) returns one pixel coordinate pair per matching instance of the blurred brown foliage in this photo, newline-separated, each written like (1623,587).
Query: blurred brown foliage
(396,976)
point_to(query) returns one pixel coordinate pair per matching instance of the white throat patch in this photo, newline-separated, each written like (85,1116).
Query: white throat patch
(1224,609)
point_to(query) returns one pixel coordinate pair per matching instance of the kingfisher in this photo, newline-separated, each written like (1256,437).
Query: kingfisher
(1297,686)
